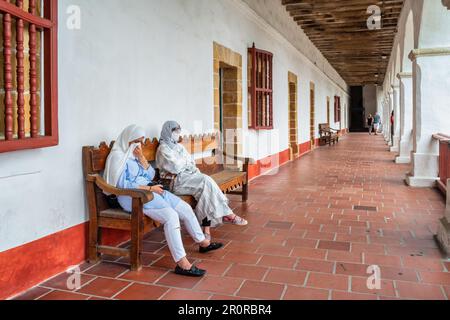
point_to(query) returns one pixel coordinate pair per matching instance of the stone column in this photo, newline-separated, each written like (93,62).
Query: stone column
(396,108)
(388,117)
(406,119)
(431,83)
(443,235)
(383,114)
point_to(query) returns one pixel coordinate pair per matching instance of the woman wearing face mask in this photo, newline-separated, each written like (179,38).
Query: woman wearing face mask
(173,159)
(127,168)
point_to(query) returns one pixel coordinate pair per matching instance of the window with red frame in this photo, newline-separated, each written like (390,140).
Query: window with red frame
(337,109)
(29,71)
(260,89)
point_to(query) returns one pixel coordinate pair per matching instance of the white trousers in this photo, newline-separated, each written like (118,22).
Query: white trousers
(171,218)
(212,204)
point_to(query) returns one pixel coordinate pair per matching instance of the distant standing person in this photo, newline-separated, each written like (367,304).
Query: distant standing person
(370,124)
(377,123)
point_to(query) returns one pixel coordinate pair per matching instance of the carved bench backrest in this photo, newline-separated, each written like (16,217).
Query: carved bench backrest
(94,158)
(324,128)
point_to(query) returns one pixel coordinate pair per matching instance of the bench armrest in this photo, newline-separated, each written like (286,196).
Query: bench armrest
(145,196)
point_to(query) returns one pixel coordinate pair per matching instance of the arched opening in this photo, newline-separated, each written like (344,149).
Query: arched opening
(408,43)
(398,65)
(406,93)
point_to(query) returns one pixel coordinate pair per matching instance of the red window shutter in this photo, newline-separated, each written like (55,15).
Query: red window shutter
(337,109)
(260,89)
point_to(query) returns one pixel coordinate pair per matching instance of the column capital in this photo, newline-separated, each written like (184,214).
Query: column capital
(429,52)
(404,75)
(395,86)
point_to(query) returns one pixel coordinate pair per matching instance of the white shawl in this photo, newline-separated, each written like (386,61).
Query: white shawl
(121,152)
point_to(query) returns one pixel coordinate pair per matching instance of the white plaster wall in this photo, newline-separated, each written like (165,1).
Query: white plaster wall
(435,25)
(145,62)
(432,106)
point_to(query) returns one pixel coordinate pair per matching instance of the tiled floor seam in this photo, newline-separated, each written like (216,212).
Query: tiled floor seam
(122,290)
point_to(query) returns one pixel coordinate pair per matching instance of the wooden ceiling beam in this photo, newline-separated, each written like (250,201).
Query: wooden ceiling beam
(339,30)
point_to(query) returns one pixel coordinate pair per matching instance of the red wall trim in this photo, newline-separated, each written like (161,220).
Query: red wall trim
(267,164)
(26,266)
(305,148)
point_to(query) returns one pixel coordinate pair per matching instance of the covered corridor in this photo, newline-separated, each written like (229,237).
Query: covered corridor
(266,84)
(315,227)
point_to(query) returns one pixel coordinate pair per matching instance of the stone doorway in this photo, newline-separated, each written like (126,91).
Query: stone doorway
(328,111)
(293,116)
(228,98)
(313,115)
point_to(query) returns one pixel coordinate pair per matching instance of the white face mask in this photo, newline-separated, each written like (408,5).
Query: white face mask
(176,136)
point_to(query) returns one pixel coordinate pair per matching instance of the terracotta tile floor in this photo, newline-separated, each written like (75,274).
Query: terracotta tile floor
(314,229)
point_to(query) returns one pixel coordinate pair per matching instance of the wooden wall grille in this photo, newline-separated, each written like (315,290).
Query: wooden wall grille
(29,74)
(261,89)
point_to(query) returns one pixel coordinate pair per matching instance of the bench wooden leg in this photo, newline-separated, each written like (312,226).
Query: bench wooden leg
(245,192)
(93,256)
(94,231)
(137,236)
(135,252)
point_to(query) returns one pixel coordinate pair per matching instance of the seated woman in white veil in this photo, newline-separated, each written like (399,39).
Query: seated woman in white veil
(173,159)
(127,168)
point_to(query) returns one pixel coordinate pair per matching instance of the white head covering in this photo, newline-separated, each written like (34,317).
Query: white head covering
(166,134)
(121,152)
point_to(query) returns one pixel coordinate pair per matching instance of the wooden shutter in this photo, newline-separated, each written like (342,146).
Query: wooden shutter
(260,89)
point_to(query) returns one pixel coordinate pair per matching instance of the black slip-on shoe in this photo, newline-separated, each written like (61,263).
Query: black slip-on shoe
(194,272)
(213,246)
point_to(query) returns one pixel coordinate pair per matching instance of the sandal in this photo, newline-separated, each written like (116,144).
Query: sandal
(238,221)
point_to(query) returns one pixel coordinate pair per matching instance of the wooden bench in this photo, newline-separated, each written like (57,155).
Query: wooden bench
(328,135)
(103,216)
(230,172)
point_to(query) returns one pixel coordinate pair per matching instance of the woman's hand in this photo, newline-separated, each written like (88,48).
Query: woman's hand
(139,154)
(157,189)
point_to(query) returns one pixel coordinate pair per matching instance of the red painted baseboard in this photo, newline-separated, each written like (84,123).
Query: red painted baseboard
(267,164)
(23,267)
(28,265)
